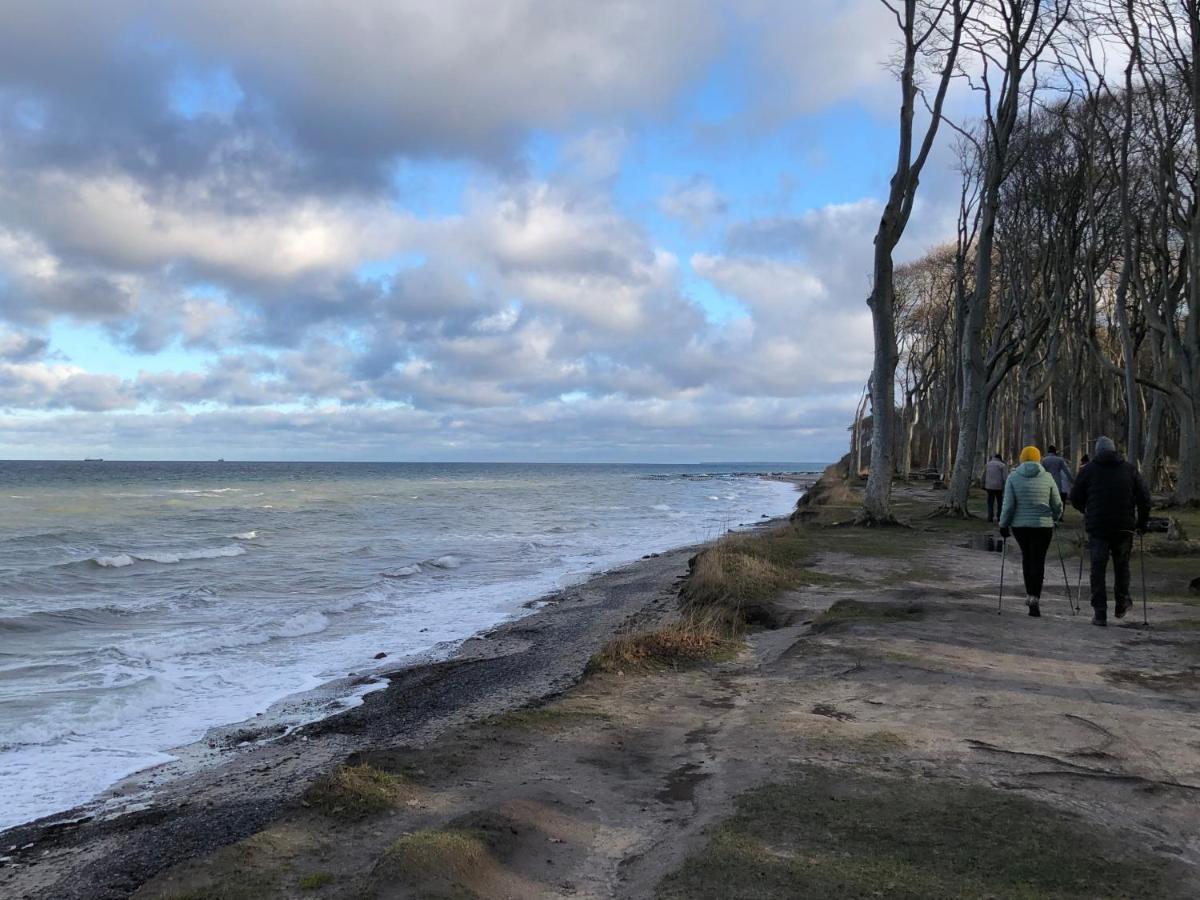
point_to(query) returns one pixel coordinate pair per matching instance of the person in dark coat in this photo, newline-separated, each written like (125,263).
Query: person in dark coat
(1115,503)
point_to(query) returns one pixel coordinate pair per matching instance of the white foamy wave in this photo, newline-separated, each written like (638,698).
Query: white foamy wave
(300,624)
(448,561)
(245,536)
(90,710)
(662,507)
(402,571)
(167,557)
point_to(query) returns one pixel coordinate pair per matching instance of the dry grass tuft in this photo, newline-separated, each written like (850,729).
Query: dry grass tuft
(739,578)
(353,792)
(832,497)
(466,857)
(698,637)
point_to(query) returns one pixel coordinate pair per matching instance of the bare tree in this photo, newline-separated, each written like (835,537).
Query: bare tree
(1009,40)
(931,34)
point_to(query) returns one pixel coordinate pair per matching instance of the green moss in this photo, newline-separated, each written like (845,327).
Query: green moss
(544,718)
(315,881)
(858,611)
(827,834)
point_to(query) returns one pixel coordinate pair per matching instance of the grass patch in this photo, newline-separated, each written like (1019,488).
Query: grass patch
(697,638)
(857,611)
(544,718)
(827,834)
(353,792)
(315,881)
(448,861)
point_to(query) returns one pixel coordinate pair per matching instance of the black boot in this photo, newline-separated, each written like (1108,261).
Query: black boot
(1100,615)
(1123,607)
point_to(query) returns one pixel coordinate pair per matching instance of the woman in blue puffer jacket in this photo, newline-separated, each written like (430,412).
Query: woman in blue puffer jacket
(1032,504)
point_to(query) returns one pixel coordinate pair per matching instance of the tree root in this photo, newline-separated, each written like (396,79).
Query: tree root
(866,520)
(949,511)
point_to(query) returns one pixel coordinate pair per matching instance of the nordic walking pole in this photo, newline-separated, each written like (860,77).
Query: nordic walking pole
(1142,554)
(1003,554)
(1079,580)
(1066,579)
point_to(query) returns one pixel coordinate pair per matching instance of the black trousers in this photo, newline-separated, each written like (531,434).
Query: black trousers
(1119,546)
(996,500)
(1034,543)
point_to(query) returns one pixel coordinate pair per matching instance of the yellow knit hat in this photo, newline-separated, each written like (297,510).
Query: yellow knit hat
(1031,454)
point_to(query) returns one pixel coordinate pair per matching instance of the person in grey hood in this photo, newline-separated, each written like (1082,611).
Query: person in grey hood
(995,474)
(1115,503)
(1060,471)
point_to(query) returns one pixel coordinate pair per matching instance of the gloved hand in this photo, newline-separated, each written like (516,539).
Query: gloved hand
(1006,532)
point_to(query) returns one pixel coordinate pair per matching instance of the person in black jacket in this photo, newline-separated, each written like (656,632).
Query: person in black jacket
(1115,503)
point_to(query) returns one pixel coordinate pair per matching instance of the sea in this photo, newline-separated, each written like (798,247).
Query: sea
(144,603)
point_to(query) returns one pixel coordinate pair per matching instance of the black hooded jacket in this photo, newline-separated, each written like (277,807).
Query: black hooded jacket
(1111,495)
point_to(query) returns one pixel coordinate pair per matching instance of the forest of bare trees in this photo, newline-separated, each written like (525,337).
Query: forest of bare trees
(1068,305)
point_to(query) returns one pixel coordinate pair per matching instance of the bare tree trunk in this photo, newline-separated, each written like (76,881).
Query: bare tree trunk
(919,23)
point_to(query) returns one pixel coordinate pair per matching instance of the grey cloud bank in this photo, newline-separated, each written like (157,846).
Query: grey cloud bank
(224,197)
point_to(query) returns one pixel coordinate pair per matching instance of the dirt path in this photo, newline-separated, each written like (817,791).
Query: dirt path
(899,739)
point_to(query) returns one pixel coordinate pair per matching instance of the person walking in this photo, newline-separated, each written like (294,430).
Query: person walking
(1115,503)
(995,474)
(1032,504)
(1060,471)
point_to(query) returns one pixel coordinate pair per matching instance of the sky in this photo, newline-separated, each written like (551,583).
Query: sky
(526,230)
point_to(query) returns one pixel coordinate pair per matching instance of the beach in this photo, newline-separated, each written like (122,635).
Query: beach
(1039,756)
(147,607)
(542,648)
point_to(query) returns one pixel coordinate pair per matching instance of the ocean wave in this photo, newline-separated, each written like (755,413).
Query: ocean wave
(244,536)
(88,710)
(402,571)
(204,490)
(55,619)
(311,622)
(449,561)
(166,557)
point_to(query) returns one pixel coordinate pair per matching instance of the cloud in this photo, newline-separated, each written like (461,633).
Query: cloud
(345,90)
(815,54)
(225,203)
(49,386)
(18,347)
(695,201)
